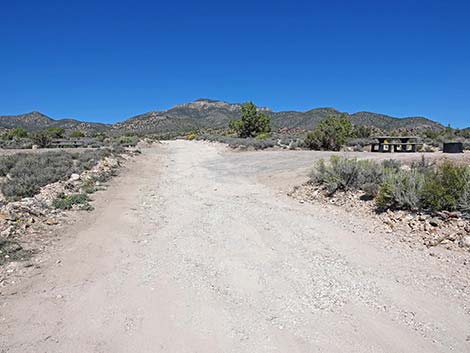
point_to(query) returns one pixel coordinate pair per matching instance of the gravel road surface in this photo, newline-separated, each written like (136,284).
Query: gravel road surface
(195,248)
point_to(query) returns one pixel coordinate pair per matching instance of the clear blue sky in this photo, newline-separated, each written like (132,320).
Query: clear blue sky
(109,60)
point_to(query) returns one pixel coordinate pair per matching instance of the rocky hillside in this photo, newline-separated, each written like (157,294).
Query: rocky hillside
(206,113)
(36,121)
(386,122)
(31,121)
(302,120)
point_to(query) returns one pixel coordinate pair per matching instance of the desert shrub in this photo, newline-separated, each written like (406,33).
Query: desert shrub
(192,136)
(77,134)
(371,190)
(424,186)
(314,140)
(16,133)
(401,189)
(391,164)
(359,144)
(66,202)
(238,142)
(422,165)
(251,143)
(16,143)
(330,134)
(27,173)
(89,189)
(443,187)
(8,162)
(85,161)
(346,174)
(263,136)
(100,136)
(362,132)
(116,149)
(14,251)
(295,144)
(125,140)
(55,132)
(431,134)
(252,122)
(31,172)
(464,202)
(42,139)
(104,177)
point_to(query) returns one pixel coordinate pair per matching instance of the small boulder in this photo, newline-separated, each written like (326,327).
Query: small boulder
(74,177)
(51,222)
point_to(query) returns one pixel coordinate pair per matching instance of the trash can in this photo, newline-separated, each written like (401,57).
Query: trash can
(452,147)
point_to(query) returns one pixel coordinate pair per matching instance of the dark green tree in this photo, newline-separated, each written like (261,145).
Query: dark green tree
(330,134)
(17,133)
(42,139)
(252,122)
(56,132)
(362,131)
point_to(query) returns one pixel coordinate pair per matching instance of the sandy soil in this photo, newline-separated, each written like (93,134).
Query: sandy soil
(198,249)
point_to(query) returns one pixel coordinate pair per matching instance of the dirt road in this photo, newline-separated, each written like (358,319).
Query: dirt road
(197,249)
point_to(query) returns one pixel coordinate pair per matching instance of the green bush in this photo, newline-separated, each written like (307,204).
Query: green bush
(346,174)
(42,139)
(330,134)
(362,132)
(443,188)
(464,202)
(8,162)
(85,161)
(16,143)
(31,172)
(55,132)
(424,186)
(27,173)
(16,133)
(391,165)
(89,189)
(263,136)
(192,136)
(77,134)
(127,140)
(100,136)
(423,165)
(252,123)
(401,189)
(66,202)
(238,142)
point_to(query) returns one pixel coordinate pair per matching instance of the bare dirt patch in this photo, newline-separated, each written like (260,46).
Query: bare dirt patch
(196,248)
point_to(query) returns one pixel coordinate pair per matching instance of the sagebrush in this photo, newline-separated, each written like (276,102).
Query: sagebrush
(26,173)
(421,186)
(66,202)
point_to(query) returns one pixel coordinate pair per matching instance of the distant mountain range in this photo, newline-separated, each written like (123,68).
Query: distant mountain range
(206,113)
(36,121)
